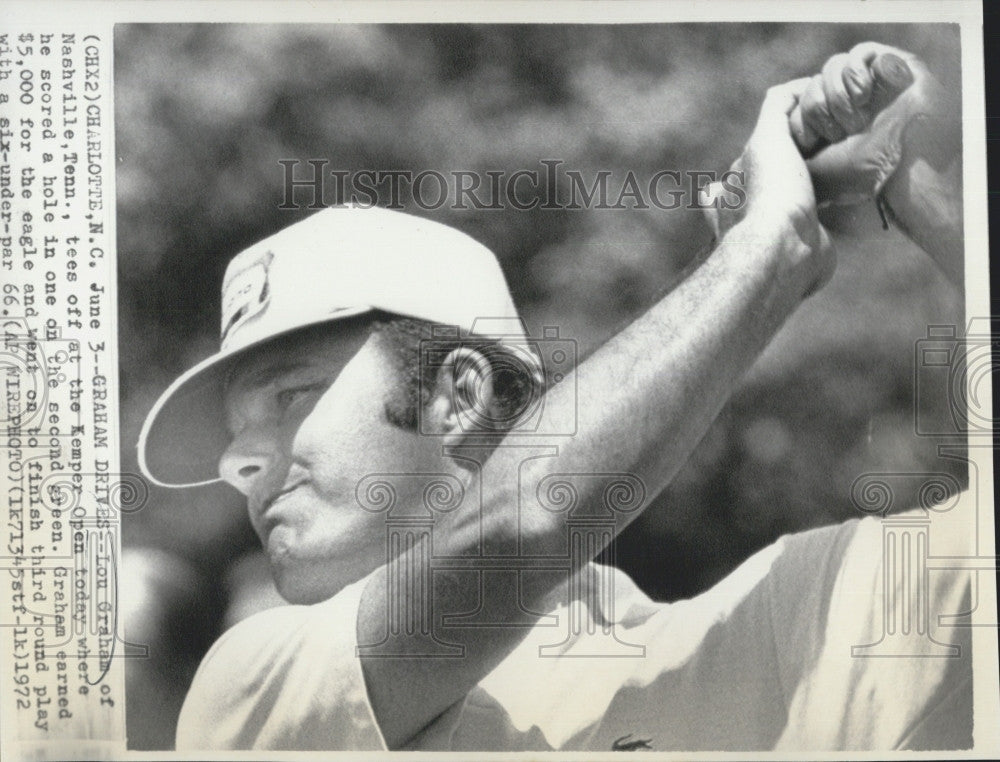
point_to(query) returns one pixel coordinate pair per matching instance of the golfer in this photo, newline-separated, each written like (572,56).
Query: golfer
(399,441)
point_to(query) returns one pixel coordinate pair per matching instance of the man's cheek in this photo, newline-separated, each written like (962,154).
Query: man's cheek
(332,433)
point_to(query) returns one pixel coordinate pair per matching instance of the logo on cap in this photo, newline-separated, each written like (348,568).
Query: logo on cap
(246,293)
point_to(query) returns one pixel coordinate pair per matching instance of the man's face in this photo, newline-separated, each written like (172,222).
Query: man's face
(306,415)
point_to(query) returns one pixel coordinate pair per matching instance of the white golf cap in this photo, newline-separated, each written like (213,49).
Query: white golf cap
(338,263)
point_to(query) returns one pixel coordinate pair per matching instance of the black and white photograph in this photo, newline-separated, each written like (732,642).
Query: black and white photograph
(569,385)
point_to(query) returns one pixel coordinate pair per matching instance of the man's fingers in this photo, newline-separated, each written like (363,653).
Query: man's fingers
(816,112)
(838,99)
(779,102)
(861,79)
(781,99)
(782,116)
(857,75)
(829,260)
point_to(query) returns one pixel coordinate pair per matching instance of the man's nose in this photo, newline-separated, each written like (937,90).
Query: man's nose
(248,459)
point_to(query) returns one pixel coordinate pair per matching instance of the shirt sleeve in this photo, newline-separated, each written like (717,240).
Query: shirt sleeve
(785,652)
(714,676)
(287,678)
(893,667)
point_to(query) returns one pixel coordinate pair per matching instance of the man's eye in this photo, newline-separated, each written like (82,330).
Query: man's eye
(287,397)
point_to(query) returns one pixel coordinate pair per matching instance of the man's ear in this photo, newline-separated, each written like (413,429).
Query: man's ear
(463,399)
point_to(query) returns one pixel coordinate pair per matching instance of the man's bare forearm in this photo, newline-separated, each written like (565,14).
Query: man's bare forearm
(646,399)
(648,396)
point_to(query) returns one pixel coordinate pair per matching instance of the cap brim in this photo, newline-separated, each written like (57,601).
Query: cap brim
(185,433)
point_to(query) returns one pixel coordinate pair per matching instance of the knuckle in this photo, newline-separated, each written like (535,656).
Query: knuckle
(775,92)
(866,49)
(834,64)
(812,102)
(857,79)
(812,98)
(837,99)
(860,93)
(843,111)
(819,118)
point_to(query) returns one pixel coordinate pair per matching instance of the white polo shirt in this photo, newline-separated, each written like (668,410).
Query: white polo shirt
(763,660)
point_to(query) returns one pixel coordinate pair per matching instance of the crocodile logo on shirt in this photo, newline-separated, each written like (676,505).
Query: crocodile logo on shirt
(623,744)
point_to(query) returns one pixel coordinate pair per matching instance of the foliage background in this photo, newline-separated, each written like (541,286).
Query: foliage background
(204,113)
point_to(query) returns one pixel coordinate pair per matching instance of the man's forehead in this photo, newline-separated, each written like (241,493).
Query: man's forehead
(270,370)
(320,347)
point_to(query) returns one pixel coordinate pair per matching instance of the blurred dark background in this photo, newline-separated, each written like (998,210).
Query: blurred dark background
(205,112)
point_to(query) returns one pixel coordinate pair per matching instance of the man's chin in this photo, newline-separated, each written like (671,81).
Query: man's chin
(308,583)
(300,596)
(306,571)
